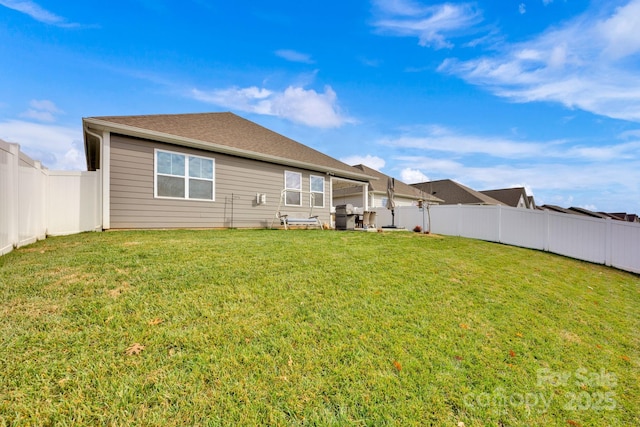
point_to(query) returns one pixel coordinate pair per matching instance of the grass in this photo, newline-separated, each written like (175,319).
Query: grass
(266,327)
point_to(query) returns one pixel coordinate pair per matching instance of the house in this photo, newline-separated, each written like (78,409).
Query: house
(623,216)
(453,193)
(558,209)
(532,202)
(515,197)
(574,211)
(588,212)
(208,170)
(404,194)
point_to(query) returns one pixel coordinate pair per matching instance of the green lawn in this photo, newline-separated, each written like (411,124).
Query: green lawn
(272,327)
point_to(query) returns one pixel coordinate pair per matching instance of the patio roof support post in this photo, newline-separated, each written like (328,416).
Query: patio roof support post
(365,196)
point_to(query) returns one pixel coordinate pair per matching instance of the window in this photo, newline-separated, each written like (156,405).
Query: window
(316,184)
(180,176)
(293,187)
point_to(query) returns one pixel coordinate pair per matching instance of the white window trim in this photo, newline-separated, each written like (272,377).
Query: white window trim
(315,193)
(186,176)
(298,190)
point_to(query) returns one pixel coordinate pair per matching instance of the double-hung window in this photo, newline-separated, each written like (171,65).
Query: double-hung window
(316,184)
(182,176)
(293,188)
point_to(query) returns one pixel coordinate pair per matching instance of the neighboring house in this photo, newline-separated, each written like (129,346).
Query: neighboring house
(586,212)
(207,170)
(453,193)
(558,209)
(515,197)
(590,213)
(404,194)
(623,216)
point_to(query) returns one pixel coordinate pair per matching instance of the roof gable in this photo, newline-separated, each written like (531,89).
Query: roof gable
(225,132)
(509,196)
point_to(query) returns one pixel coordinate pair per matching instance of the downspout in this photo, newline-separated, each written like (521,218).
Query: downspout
(100,206)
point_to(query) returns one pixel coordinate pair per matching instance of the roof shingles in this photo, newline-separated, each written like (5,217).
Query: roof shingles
(455,193)
(228,130)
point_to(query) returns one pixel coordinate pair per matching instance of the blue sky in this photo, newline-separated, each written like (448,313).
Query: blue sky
(543,94)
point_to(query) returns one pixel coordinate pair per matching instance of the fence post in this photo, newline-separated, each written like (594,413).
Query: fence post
(545,240)
(499,219)
(13,200)
(42,183)
(459,222)
(608,241)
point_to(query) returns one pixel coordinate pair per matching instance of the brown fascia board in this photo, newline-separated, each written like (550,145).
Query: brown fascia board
(210,146)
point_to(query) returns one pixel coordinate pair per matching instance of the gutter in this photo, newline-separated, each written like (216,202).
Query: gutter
(86,129)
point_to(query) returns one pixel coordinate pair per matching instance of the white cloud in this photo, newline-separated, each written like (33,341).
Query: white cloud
(432,25)
(630,134)
(542,177)
(586,63)
(250,99)
(411,176)
(45,105)
(623,151)
(606,175)
(57,147)
(42,111)
(299,105)
(400,7)
(294,56)
(41,116)
(439,138)
(620,31)
(522,8)
(374,63)
(611,185)
(36,12)
(374,162)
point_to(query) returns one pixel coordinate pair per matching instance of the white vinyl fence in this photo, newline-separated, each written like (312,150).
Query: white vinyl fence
(601,241)
(36,202)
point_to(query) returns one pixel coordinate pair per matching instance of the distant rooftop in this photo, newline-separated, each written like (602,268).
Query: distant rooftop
(454,193)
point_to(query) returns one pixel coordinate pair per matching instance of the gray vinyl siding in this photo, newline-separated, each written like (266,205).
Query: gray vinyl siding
(132,202)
